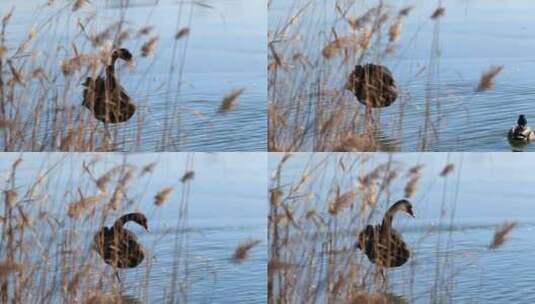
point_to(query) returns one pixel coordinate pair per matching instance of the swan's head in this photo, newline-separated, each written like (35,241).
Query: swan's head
(137,217)
(124,54)
(402,205)
(522,121)
(142,220)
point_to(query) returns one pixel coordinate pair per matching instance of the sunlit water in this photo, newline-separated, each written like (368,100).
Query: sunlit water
(483,192)
(472,36)
(225,50)
(223,212)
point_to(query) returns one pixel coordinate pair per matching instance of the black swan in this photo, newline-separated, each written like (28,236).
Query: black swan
(106,98)
(119,246)
(383,245)
(373,85)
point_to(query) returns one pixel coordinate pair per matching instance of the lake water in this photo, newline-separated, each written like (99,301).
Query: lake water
(226,50)
(222,213)
(472,36)
(483,191)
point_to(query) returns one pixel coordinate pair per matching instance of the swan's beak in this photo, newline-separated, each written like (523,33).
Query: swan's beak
(146,227)
(410,213)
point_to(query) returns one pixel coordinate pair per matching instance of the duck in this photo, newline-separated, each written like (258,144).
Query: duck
(374,86)
(105,97)
(382,244)
(118,246)
(521,132)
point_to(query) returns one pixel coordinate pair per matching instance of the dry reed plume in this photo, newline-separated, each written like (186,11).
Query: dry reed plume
(242,251)
(439,12)
(149,47)
(447,170)
(502,234)
(487,78)
(230,100)
(182,33)
(162,196)
(189,175)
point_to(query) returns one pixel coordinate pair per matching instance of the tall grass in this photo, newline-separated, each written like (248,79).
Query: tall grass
(50,214)
(318,205)
(41,75)
(53,204)
(313,48)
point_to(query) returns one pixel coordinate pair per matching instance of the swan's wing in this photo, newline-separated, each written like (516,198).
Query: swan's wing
(118,97)
(392,249)
(129,235)
(95,90)
(130,243)
(132,250)
(367,241)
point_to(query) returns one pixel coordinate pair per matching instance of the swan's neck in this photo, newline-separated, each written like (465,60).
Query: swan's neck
(119,223)
(110,69)
(138,218)
(388,219)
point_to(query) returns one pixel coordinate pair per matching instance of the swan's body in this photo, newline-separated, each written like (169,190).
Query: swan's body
(521,132)
(373,85)
(106,98)
(383,245)
(118,246)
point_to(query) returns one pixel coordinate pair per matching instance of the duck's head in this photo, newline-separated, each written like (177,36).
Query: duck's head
(522,121)
(402,205)
(122,53)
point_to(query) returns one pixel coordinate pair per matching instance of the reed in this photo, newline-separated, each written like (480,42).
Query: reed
(41,75)
(318,205)
(242,251)
(502,234)
(312,49)
(49,216)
